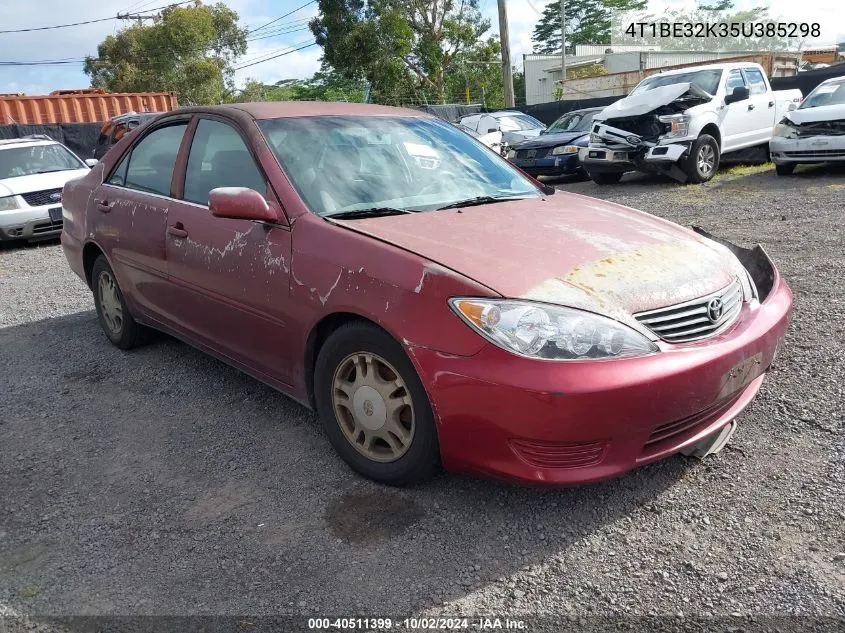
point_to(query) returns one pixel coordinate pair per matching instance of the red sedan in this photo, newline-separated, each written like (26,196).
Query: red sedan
(431,302)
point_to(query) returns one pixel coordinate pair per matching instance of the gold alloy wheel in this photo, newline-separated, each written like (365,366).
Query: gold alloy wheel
(373,407)
(110,303)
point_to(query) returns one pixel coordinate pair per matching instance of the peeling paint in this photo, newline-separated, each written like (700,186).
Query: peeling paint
(419,287)
(324,298)
(273,263)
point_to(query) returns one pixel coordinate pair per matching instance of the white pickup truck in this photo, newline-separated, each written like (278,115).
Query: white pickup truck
(681,122)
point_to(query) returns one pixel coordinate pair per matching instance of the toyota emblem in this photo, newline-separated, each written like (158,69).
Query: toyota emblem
(55,196)
(714,309)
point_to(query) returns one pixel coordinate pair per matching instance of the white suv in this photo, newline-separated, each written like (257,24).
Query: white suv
(33,171)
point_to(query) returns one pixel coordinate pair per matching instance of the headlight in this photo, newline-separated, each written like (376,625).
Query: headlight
(678,124)
(8,203)
(785,130)
(510,153)
(540,330)
(564,149)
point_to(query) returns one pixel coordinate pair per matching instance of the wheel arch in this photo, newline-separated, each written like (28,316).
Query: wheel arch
(90,252)
(713,130)
(318,335)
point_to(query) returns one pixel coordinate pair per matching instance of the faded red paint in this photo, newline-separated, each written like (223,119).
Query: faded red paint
(252,293)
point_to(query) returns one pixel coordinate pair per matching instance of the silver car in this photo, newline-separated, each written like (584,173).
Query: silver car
(814,132)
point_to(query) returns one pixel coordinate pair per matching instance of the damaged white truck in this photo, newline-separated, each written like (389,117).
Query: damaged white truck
(681,122)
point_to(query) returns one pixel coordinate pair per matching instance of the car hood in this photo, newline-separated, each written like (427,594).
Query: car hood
(566,249)
(814,115)
(643,103)
(38,182)
(550,140)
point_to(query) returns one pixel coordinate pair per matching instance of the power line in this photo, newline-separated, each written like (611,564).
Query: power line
(64,26)
(277,34)
(281,17)
(275,56)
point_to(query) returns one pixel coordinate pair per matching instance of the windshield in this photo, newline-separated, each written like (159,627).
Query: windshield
(36,159)
(341,164)
(825,95)
(706,80)
(574,122)
(522,121)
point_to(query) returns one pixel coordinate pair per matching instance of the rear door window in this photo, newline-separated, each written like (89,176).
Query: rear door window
(219,157)
(153,158)
(756,81)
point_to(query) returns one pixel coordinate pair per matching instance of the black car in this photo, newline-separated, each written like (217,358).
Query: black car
(555,151)
(114,129)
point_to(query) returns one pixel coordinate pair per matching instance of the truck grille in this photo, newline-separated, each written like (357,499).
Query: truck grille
(818,153)
(39,198)
(695,319)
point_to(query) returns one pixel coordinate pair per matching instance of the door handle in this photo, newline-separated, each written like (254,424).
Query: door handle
(771,104)
(103,206)
(177,230)
(750,106)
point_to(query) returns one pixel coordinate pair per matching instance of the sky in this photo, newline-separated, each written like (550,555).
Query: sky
(77,42)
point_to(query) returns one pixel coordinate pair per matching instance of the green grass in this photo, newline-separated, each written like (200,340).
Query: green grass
(738,171)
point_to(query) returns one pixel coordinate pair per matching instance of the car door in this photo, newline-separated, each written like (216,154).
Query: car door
(128,214)
(735,124)
(761,106)
(229,277)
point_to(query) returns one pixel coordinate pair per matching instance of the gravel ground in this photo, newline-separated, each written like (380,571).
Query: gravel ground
(163,482)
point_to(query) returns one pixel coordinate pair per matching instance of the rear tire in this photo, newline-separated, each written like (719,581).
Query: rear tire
(117,322)
(785,169)
(703,160)
(374,408)
(605,177)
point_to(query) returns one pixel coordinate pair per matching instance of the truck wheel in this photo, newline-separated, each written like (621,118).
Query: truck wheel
(785,169)
(606,177)
(703,160)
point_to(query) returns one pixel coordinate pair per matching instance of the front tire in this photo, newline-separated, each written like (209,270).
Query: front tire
(605,177)
(784,169)
(703,160)
(112,313)
(374,408)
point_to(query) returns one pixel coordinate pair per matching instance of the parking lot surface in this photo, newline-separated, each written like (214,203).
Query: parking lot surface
(162,481)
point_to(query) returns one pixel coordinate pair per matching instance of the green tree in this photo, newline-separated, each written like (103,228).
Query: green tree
(587,22)
(324,85)
(187,50)
(405,48)
(478,69)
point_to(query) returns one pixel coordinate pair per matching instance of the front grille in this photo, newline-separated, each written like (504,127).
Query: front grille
(551,455)
(523,154)
(818,153)
(695,319)
(679,430)
(40,198)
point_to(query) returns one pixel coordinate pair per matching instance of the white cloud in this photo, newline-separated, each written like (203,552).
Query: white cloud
(81,41)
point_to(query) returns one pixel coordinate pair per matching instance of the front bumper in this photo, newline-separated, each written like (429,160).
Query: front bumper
(562,165)
(602,158)
(572,423)
(29,223)
(812,149)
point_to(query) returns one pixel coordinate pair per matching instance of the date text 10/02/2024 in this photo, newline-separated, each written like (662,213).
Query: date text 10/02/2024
(417,624)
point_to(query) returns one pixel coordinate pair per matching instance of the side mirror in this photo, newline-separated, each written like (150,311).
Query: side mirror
(740,93)
(241,203)
(791,107)
(91,162)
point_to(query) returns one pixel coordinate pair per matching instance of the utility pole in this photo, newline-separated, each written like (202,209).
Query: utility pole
(507,75)
(562,47)
(135,16)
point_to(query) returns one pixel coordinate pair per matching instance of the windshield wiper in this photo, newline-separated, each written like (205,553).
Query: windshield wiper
(372,212)
(478,200)
(50,171)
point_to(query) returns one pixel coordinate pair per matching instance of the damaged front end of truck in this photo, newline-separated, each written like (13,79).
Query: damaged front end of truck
(646,132)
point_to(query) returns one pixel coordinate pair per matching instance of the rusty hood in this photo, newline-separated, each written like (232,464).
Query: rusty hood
(566,249)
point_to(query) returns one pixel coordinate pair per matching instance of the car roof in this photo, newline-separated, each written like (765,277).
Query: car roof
(833,80)
(25,142)
(290,109)
(582,111)
(692,69)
